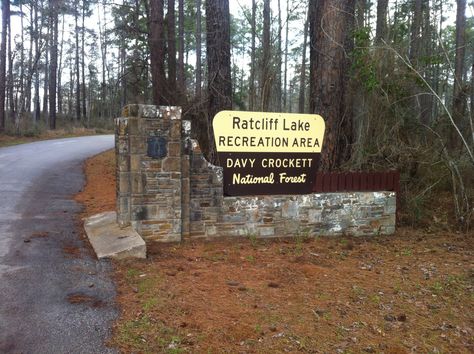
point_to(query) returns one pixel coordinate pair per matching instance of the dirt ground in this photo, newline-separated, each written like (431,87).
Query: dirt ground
(410,292)
(99,192)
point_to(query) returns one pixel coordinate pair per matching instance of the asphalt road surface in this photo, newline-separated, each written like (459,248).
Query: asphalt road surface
(55,297)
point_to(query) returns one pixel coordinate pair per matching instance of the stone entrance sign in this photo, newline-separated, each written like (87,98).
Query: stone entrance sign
(168,191)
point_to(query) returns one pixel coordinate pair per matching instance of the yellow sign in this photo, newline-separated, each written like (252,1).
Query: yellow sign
(236,131)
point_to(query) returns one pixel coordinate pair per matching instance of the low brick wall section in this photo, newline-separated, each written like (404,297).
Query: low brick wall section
(167,191)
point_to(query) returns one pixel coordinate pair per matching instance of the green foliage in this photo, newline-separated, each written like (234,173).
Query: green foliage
(252,236)
(363,67)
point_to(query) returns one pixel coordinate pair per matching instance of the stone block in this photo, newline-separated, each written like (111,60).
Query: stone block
(185,166)
(195,215)
(175,112)
(130,110)
(136,183)
(177,226)
(121,126)
(124,183)
(150,212)
(109,240)
(172,164)
(186,128)
(137,145)
(197,235)
(211,230)
(232,218)
(266,231)
(174,149)
(123,220)
(290,209)
(123,145)
(135,162)
(149,111)
(165,238)
(124,203)
(197,227)
(152,165)
(175,130)
(123,162)
(133,126)
(387,230)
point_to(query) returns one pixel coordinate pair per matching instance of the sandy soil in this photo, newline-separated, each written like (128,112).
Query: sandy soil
(411,292)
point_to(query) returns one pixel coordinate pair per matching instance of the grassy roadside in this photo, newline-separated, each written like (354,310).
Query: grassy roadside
(10,140)
(411,292)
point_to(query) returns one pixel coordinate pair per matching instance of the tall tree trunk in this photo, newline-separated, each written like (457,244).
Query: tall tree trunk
(472,102)
(415,56)
(361,6)
(285,85)
(459,94)
(415,40)
(381,28)
(30,61)
(36,103)
(330,25)
(219,87)
(266,80)
(21,78)
(71,87)
(124,81)
(426,100)
(107,88)
(471,118)
(123,73)
(301,98)
(83,63)
(252,59)
(181,80)
(103,52)
(171,39)
(438,71)
(11,100)
(278,84)
(54,64)
(60,68)
(3,61)
(156,42)
(46,69)
(198,49)
(77,63)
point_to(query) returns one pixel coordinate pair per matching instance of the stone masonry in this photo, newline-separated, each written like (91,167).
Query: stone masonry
(149,188)
(167,191)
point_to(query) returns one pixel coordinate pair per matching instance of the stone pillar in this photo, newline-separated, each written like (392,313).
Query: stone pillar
(149,171)
(122,153)
(186,177)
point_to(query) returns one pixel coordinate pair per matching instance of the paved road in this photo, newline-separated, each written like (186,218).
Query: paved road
(55,297)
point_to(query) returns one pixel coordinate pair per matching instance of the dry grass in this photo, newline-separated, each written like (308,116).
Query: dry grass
(9,140)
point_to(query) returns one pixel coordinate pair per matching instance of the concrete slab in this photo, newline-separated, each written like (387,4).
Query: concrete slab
(110,241)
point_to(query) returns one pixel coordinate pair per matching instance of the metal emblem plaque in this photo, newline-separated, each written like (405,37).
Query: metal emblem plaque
(156,148)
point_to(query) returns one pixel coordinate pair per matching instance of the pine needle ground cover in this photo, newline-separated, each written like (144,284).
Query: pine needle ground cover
(413,291)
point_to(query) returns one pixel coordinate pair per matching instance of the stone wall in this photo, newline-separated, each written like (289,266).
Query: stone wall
(329,214)
(149,188)
(172,192)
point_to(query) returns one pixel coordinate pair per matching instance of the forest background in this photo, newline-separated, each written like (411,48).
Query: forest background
(394,80)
